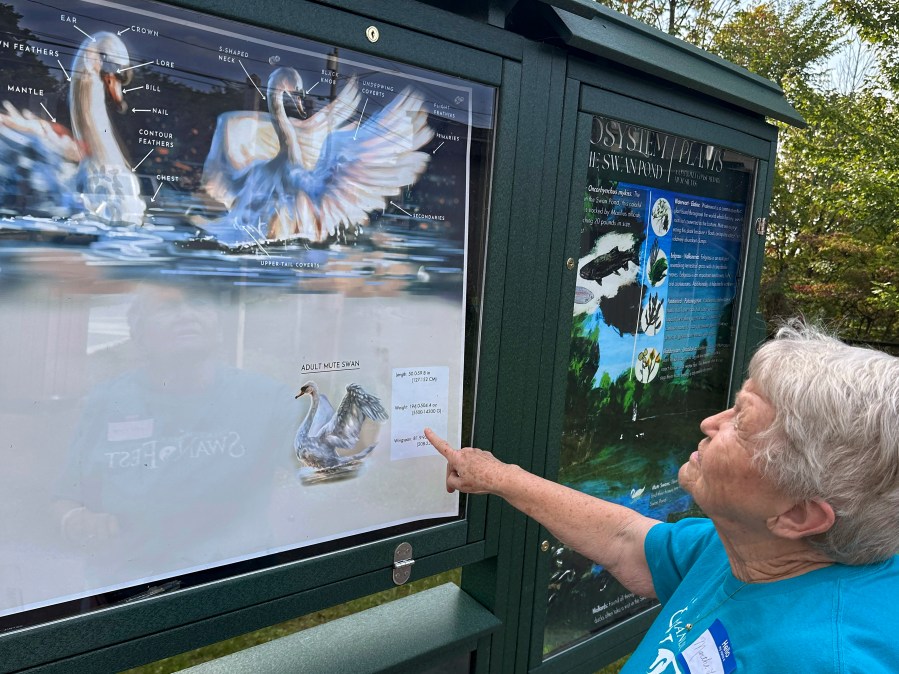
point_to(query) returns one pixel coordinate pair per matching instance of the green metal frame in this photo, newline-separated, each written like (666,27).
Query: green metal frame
(546,96)
(652,107)
(434,625)
(144,631)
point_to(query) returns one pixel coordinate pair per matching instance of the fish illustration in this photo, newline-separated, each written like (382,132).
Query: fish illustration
(582,295)
(613,262)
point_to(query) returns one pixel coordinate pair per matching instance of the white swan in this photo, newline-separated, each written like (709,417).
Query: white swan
(324,432)
(314,178)
(110,188)
(48,172)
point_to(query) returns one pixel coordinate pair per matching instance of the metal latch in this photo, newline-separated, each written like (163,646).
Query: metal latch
(402,563)
(761,226)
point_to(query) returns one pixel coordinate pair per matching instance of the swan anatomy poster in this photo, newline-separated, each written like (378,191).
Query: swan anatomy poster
(651,344)
(234,280)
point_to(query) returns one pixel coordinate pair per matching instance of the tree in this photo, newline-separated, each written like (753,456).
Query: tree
(877,21)
(833,212)
(787,42)
(833,224)
(833,234)
(696,21)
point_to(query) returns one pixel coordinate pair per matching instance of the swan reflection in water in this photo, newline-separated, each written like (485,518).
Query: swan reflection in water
(47,172)
(312,178)
(324,433)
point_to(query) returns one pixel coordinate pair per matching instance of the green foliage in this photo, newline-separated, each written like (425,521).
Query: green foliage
(595,416)
(785,42)
(696,21)
(582,367)
(628,385)
(877,21)
(833,233)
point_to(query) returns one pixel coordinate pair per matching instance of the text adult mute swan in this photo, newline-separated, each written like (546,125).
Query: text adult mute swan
(324,432)
(44,171)
(313,178)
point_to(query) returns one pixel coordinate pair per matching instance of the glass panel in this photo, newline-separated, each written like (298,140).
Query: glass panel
(199,221)
(651,341)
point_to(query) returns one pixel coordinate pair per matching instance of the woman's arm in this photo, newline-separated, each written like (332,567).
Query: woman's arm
(609,534)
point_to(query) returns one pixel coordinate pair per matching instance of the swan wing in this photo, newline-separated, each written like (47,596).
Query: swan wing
(241,139)
(357,406)
(24,128)
(323,415)
(313,132)
(38,164)
(359,168)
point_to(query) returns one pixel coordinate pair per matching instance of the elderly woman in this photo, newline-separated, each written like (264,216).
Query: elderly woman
(795,569)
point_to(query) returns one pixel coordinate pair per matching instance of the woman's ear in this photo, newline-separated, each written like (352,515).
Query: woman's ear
(803,519)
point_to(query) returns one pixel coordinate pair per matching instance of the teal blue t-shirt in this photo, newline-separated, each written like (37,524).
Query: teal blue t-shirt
(840,619)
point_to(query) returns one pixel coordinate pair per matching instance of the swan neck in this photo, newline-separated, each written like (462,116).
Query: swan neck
(90,119)
(287,135)
(306,426)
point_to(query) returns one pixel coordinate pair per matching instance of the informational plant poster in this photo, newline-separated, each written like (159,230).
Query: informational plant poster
(233,274)
(651,343)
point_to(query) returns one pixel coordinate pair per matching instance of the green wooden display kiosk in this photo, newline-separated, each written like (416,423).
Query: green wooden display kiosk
(564,269)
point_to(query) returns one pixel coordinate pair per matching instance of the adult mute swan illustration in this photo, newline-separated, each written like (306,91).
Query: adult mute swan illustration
(324,432)
(313,178)
(46,171)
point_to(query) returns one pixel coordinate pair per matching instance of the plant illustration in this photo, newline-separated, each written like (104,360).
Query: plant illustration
(651,360)
(653,314)
(658,264)
(661,215)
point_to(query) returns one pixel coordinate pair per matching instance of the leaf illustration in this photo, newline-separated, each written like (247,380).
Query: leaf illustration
(658,270)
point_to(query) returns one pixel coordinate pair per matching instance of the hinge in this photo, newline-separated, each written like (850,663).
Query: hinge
(402,563)
(761,226)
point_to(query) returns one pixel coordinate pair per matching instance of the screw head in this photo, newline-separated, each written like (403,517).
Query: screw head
(372,33)
(570,263)
(544,546)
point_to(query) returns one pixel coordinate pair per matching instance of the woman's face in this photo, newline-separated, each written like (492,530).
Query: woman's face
(720,474)
(174,323)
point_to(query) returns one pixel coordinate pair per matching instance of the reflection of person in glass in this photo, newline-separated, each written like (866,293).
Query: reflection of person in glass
(173,463)
(800,482)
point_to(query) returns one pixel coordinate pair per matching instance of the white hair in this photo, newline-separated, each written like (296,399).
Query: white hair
(835,436)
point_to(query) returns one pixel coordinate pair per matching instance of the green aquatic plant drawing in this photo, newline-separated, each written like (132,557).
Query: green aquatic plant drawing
(658,271)
(658,264)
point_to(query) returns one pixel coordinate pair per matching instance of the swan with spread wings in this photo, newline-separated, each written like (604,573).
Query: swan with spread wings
(324,433)
(47,172)
(283,177)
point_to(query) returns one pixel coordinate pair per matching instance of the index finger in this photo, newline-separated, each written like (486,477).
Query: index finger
(439,443)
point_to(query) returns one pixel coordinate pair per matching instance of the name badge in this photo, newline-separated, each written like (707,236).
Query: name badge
(135,429)
(711,653)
